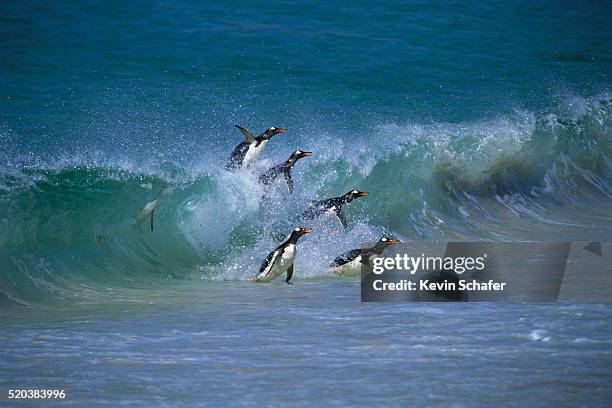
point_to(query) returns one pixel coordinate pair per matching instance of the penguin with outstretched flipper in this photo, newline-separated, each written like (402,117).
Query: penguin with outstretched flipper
(149,209)
(247,151)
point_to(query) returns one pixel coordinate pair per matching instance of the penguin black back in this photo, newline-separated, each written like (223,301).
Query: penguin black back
(354,262)
(366,253)
(252,147)
(332,205)
(283,169)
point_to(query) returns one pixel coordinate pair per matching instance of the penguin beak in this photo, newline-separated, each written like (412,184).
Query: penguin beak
(305,154)
(306,230)
(280,130)
(394,241)
(362,194)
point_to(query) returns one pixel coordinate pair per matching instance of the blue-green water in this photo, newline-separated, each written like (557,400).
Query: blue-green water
(464,121)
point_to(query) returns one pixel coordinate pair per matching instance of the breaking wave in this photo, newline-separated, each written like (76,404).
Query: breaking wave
(71,226)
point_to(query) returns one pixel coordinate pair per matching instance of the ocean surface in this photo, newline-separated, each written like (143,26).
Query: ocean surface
(465,121)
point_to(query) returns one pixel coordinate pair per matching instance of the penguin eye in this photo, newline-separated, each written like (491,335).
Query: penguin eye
(297,229)
(354,191)
(384,240)
(298,151)
(272,128)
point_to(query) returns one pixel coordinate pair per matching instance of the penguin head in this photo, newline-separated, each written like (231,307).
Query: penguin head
(298,232)
(353,194)
(388,241)
(302,230)
(299,154)
(271,131)
(384,243)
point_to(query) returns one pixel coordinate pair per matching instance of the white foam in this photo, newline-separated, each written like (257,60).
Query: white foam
(539,335)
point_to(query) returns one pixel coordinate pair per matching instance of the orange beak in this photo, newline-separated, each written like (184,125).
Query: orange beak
(306,230)
(305,154)
(394,241)
(280,130)
(363,194)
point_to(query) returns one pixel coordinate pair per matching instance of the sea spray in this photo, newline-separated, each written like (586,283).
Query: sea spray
(70,223)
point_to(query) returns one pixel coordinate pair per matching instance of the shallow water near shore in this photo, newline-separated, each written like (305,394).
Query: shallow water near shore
(309,343)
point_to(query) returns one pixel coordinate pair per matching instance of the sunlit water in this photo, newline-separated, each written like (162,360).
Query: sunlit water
(311,343)
(482,121)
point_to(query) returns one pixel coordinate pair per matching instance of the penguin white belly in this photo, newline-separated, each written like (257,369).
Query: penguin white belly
(150,206)
(278,265)
(253,152)
(352,268)
(146,211)
(330,211)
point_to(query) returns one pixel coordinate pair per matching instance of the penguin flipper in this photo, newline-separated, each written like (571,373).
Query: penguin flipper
(249,136)
(152,215)
(342,217)
(289,181)
(268,263)
(289,273)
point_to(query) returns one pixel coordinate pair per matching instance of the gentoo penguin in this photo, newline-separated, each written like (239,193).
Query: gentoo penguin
(351,262)
(149,209)
(281,259)
(332,206)
(283,169)
(247,151)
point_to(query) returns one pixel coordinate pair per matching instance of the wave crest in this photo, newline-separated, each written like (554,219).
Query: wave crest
(66,226)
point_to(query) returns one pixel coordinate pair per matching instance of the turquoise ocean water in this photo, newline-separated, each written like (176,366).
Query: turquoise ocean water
(464,120)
